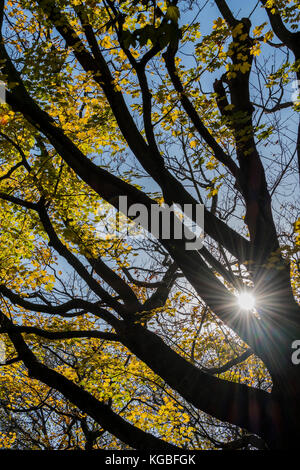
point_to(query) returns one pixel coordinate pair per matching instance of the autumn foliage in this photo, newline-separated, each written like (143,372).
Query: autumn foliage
(119,342)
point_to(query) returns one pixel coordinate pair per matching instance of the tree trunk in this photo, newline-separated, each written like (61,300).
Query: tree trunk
(285,433)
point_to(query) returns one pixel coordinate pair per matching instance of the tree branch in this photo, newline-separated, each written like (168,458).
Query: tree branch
(236,402)
(229,364)
(99,411)
(56,335)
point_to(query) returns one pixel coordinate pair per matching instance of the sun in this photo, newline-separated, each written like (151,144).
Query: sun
(246,301)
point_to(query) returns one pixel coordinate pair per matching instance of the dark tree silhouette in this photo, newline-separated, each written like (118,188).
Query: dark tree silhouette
(273,416)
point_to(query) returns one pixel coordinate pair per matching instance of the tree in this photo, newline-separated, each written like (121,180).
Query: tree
(143,343)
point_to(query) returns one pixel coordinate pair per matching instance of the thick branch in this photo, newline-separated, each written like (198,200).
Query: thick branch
(57,335)
(227,401)
(116,282)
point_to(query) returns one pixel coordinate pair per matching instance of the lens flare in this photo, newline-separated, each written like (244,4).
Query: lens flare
(246,301)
